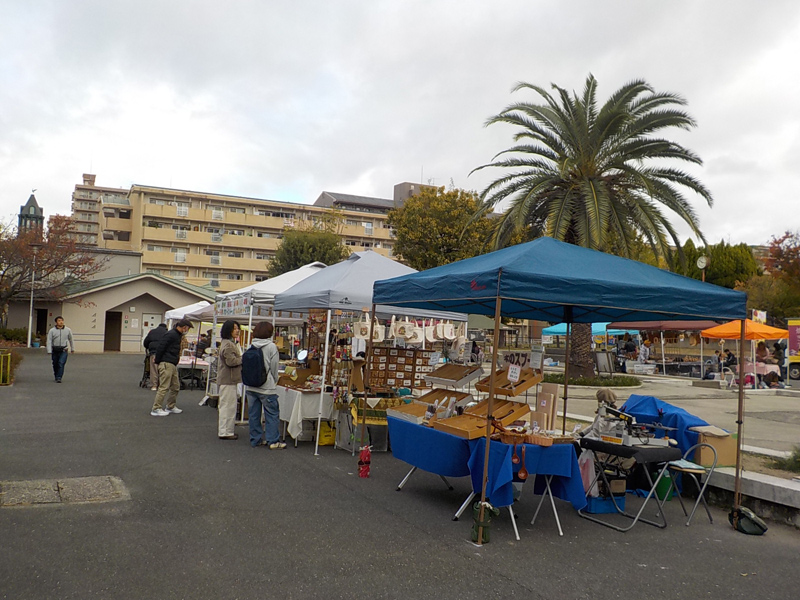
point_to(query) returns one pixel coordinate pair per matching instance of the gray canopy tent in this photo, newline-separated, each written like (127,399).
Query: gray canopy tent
(348,286)
(553,281)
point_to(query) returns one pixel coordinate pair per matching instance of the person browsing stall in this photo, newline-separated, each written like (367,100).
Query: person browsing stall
(264,398)
(59,344)
(228,378)
(150,343)
(168,354)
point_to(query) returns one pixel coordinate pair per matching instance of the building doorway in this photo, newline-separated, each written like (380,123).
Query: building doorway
(40,327)
(112,339)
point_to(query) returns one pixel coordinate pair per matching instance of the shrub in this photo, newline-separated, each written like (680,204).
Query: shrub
(790,463)
(615,381)
(16,358)
(14,335)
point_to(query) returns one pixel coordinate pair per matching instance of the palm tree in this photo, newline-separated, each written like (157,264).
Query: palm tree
(595,176)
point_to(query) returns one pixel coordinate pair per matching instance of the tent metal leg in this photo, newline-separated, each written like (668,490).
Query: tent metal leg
(464,506)
(406,478)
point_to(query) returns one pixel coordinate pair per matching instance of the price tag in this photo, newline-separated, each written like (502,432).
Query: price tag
(434,359)
(535,425)
(514,372)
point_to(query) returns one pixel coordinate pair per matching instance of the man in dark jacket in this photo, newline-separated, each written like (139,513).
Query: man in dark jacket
(150,343)
(168,353)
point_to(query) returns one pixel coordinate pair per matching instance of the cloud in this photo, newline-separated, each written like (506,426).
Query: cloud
(282,100)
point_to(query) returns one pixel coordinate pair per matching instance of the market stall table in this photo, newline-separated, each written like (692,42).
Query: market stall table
(296,405)
(611,458)
(190,363)
(449,455)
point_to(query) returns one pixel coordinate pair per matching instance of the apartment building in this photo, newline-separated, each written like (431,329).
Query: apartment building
(222,241)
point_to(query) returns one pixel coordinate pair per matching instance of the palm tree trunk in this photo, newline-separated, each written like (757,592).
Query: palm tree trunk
(580,356)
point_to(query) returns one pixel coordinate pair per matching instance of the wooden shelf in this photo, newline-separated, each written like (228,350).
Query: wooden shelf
(503,387)
(454,375)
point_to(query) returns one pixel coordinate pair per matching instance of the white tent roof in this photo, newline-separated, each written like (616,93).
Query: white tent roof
(263,292)
(348,286)
(179,313)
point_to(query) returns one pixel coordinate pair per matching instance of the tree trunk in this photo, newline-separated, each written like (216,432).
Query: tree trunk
(581,360)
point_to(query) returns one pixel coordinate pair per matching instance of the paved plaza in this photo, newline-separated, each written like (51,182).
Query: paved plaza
(209,519)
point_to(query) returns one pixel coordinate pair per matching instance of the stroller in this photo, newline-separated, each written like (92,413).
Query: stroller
(145,382)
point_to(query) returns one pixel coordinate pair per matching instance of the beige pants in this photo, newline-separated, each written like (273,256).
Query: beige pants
(227,410)
(168,386)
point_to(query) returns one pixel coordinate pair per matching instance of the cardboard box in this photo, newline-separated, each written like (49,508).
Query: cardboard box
(725,447)
(541,418)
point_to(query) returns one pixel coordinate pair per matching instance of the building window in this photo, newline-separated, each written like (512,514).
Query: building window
(157,201)
(211,252)
(351,243)
(124,236)
(154,271)
(124,214)
(263,234)
(263,256)
(180,227)
(214,229)
(154,248)
(236,209)
(178,274)
(234,276)
(235,232)
(235,254)
(261,277)
(353,222)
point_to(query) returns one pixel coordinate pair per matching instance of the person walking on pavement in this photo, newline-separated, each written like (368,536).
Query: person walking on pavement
(58,339)
(168,353)
(265,397)
(150,343)
(228,376)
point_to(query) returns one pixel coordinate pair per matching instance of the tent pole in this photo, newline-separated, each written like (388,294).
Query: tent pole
(663,356)
(702,372)
(489,416)
(250,333)
(737,487)
(566,379)
(324,375)
(367,355)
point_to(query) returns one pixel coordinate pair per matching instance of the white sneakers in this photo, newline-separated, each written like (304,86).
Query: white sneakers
(162,412)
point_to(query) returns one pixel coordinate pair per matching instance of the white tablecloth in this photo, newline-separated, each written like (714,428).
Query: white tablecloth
(296,406)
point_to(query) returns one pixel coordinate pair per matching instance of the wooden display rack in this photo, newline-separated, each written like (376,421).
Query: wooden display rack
(503,387)
(454,375)
(472,424)
(439,394)
(398,367)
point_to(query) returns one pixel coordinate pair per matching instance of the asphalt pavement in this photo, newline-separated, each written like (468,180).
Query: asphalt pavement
(218,520)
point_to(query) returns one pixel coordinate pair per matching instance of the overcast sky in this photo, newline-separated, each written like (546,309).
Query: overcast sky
(282,100)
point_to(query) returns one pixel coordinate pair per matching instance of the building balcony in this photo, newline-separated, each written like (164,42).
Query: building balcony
(117,224)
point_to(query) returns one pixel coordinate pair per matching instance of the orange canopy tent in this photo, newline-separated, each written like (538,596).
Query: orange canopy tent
(752,331)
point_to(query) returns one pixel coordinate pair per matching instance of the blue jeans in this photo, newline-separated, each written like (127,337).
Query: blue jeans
(59,360)
(271,429)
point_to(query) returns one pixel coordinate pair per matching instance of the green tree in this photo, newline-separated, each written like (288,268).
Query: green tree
(772,294)
(435,227)
(52,258)
(318,241)
(592,175)
(727,265)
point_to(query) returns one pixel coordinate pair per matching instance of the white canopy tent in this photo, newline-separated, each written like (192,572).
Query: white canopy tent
(348,286)
(184,311)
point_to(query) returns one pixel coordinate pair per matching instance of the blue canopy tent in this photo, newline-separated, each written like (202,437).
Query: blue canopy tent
(597,329)
(553,281)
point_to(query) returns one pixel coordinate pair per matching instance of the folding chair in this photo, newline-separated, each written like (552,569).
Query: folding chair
(686,467)
(728,376)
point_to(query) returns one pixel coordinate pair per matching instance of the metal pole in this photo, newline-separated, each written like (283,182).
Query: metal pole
(566,378)
(324,375)
(367,374)
(30,311)
(737,487)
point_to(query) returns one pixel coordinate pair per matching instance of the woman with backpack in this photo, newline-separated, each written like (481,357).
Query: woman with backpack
(261,379)
(229,375)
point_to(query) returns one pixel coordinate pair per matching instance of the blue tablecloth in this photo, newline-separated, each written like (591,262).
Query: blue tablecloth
(451,456)
(558,460)
(430,450)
